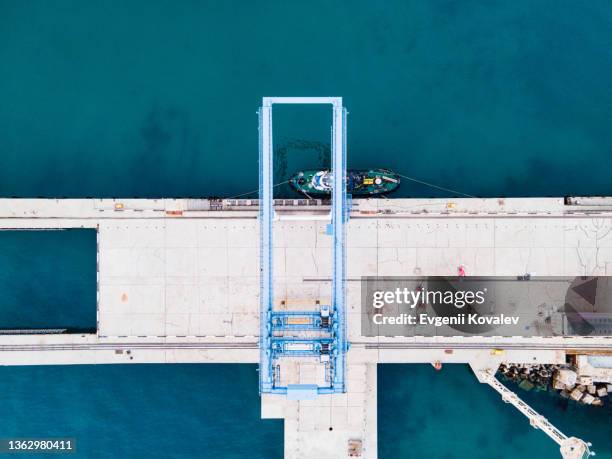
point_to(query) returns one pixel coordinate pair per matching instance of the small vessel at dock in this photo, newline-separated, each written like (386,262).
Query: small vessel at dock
(358,182)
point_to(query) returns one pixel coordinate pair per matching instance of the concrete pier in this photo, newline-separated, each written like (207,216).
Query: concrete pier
(178,281)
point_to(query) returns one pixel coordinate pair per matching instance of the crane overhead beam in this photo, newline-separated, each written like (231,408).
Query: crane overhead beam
(338,215)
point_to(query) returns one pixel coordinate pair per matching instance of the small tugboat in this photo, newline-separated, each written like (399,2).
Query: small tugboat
(358,182)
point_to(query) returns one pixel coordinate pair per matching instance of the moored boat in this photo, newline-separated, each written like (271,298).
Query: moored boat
(358,182)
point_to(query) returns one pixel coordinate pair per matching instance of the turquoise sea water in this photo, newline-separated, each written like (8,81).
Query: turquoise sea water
(140,411)
(48,279)
(158,98)
(423,413)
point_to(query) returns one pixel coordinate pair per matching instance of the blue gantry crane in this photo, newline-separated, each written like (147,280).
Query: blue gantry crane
(329,344)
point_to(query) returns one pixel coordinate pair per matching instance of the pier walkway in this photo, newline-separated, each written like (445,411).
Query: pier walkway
(178,281)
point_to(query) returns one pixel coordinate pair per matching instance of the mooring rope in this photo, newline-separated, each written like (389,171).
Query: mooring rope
(449,190)
(256,191)
(436,186)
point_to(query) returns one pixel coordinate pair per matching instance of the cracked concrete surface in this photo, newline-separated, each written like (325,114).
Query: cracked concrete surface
(169,275)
